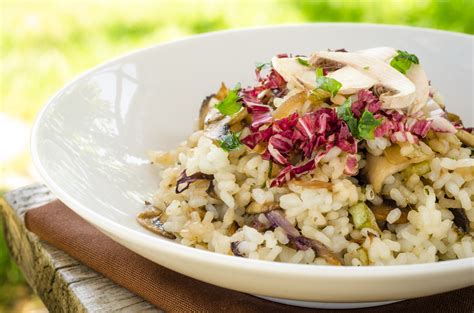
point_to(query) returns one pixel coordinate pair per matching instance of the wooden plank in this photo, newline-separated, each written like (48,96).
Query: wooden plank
(64,284)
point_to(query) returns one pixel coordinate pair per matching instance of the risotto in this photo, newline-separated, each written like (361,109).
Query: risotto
(338,158)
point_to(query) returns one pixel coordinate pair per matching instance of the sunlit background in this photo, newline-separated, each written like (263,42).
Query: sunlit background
(44,44)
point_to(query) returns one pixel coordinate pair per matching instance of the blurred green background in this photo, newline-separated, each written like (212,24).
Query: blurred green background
(44,44)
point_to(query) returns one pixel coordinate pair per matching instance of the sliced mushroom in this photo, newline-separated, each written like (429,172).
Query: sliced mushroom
(415,74)
(293,72)
(418,77)
(327,64)
(218,129)
(379,90)
(378,168)
(204,110)
(352,80)
(381,72)
(222,92)
(256,208)
(453,118)
(321,250)
(151,221)
(382,210)
(460,220)
(293,104)
(232,228)
(466,137)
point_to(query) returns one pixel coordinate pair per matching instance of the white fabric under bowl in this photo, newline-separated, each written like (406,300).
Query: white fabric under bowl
(90,142)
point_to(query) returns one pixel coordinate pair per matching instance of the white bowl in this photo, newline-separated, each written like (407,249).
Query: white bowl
(91,140)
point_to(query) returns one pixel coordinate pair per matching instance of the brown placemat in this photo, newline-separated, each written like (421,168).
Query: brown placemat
(173,292)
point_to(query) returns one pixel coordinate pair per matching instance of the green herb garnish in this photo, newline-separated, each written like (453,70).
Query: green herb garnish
(403,61)
(232,103)
(364,128)
(367,124)
(260,65)
(230,141)
(302,61)
(326,83)
(344,112)
(366,67)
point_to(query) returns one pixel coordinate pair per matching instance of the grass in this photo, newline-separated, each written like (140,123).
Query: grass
(44,44)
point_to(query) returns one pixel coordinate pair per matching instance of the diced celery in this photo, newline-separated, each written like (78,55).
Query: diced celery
(363,217)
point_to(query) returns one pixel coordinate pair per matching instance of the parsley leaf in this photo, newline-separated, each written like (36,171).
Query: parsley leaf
(344,112)
(302,61)
(367,124)
(326,83)
(232,103)
(363,128)
(230,141)
(403,61)
(260,65)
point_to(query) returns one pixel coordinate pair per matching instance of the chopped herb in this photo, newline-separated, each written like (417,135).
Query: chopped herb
(232,103)
(326,83)
(403,61)
(302,62)
(260,65)
(270,169)
(366,67)
(344,112)
(367,125)
(363,128)
(230,141)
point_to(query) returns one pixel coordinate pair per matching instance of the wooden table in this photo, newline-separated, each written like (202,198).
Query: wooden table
(61,282)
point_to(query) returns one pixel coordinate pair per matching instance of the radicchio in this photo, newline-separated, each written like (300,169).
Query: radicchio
(311,136)
(187,180)
(234,246)
(351,165)
(277,219)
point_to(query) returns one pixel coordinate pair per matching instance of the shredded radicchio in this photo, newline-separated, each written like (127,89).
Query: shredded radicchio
(276,218)
(395,125)
(351,165)
(298,143)
(365,100)
(187,180)
(310,136)
(234,246)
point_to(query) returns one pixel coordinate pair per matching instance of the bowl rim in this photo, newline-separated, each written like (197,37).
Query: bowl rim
(108,225)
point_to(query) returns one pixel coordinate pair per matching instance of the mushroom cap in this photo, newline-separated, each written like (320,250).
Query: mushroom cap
(415,74)
(301,76)
(352,80)
(359,70)
(403,89)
